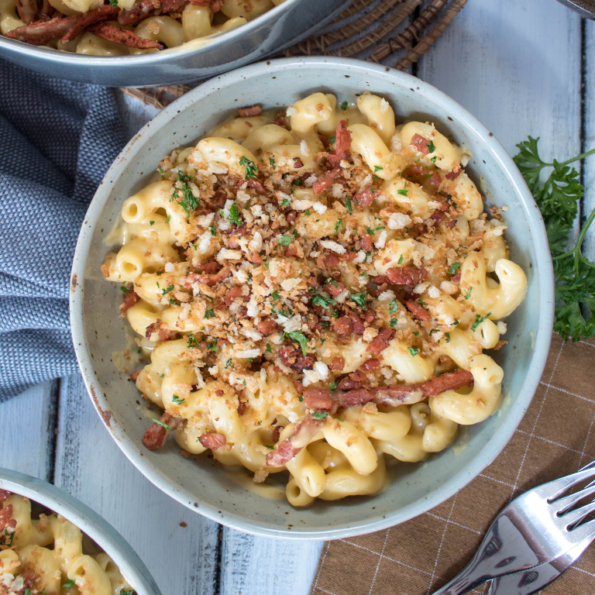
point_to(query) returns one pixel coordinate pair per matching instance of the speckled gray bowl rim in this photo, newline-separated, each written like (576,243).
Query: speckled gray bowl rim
(543,268)
(88,521)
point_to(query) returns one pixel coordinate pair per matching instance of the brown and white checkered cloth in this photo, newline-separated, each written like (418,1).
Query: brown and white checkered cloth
(556,437)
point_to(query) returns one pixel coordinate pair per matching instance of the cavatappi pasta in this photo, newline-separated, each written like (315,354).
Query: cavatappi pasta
(316,290)
(123,27)
(44,556)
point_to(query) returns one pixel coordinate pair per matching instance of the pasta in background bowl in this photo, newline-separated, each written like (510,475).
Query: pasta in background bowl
(413,489)
(50,543)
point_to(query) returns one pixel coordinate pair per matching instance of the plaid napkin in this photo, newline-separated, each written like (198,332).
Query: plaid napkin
(556,437)
(57,140)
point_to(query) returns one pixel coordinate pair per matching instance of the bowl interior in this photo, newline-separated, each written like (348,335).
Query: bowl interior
(196,482)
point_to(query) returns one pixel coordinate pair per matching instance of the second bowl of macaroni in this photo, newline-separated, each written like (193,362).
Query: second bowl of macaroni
(52,543)
(318,304)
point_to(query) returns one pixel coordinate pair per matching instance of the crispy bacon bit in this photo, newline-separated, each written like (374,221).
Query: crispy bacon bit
(215,5)
(342,144)
(418,170)
(335,290)
(366,242)
(456,278)
(6,519)
(157,327)
(276,433)
(232,294)
(27,10)
(4,495)
(435,179)
(353,398)
(337,363)
(124,37)
(134,376)
(343,325)
(420,143)
(266,327)
(417,310)
(208,267)
(304,363)
(247,112)
(371,364)
(304,432)
(129,300)
(291,216)
(168,6)
(381,341)
(282,453)
(358,376)
(253,184)
(212,440)
(281,121)
(157,434)
(326,181)
(318,398)
(454,174)
(331,261)
(367,197)
(298,163)
(47,10)
(213,279)
(139,11)
(348,383)
(291,357)
(41,32)
(408,394)
(101,13)
(409,276)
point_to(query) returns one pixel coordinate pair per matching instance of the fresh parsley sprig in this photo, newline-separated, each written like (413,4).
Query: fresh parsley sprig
(574,274)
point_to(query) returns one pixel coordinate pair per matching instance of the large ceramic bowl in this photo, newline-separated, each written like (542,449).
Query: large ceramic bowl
(89,522)
(279,28)
(98,331)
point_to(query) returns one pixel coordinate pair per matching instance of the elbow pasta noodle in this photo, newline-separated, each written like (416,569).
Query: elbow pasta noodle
(45,555)
(130,26)
(315,289)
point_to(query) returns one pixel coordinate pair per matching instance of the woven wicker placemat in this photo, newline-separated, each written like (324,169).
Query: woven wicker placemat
(390,32)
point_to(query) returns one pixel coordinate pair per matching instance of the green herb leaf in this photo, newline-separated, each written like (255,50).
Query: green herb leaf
(393,322)
(447,335)
(161,423)
(210,314)
(479,319)
(212,346)
(454,267)
(269,349)
(177,400)
(159,169)
(378,168)
(359,299)
(467,294)
(403,192)
(319,416)
(251,168)
(234,215)
(164,291)
(124,289)
(393,307)
(431,146)
(333,385)
(300,338)
(285,203)
(400,261)
(272,162)
(339,224)
(319,300)
(213,230)
(349,206)
(413,351)
(301,399)
(344,105)
(285,240)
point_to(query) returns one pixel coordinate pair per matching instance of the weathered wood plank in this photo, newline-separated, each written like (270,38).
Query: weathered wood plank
(589,130)
(29,446)
(91,467)
(258,565)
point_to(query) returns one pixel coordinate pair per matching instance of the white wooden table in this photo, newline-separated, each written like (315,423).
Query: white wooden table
(523,67)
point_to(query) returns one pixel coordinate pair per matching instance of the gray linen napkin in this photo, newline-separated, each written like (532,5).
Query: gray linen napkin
(57,140)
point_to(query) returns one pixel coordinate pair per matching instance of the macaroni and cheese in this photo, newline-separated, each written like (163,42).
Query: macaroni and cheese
(45,556)
(315,289)
(122,27)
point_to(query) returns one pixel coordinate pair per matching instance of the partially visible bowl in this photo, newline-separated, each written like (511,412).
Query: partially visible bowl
(89,522)
(98,331)
(586,8)
(279,28)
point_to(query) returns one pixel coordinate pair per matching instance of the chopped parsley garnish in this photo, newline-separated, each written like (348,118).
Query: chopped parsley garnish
(160,169)
(319,416)
(192,342)
(301,399)
(378,168)
(213,230)
(276,295)
(124,289)
(234,215)
(372,231)
(286,240)
(162,423)
(272,162)
(431,146)
(447,335)
(403,192)
(393,322)
(333,140)
(400,261)
(359,299)
(250,168)
(210,314)
(229,364)
(393,307)
(467,294)
(339,224)
(285,203)
(349,206)
(177,400)
(455,323)
(319,300)
(212,346)
(479,319)
(164,291)
(70,583)
(433,160)
(344,105)
(297,182)
(307,213)
(126,592)
(300,338)
(270,447)
(413,351)
(454,267)
(174,302)
(151,222)
(189,202)
(269,349)
(333,385)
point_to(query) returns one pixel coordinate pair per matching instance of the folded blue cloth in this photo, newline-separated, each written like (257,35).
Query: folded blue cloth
(57,140)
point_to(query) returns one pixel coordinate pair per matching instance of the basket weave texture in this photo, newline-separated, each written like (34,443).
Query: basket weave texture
(390,32)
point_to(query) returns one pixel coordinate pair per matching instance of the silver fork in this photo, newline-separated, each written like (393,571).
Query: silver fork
(533,529)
